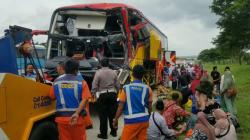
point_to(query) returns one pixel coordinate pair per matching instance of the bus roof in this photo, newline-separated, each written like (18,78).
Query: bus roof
(101,6)
(107,6)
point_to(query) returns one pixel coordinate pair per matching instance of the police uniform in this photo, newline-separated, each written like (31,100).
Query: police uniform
(136,97)
(105,86)
(69,92)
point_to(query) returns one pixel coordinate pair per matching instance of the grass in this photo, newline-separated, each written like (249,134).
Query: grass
(242,78)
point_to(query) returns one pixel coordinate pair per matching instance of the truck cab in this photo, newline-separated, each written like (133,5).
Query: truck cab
(26,111)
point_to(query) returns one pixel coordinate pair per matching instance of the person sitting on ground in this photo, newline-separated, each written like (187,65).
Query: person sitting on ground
(186,93)
(224,129)
(173,112)
(204,97)
(205,103)
(202,130)
(158,129)
(30,72)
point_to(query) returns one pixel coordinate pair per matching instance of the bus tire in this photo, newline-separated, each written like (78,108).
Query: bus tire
(44,131)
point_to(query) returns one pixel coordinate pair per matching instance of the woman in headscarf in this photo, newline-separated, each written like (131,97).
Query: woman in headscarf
(224,129)
(227,103)
(203,130)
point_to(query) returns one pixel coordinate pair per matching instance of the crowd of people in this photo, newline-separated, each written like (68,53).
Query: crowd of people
(199,106)
(212,113)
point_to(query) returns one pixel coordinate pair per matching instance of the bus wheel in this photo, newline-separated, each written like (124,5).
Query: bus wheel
(44,131)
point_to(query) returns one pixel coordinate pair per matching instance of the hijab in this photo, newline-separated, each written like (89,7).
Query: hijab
(221,119)
(228,81)
(203,125)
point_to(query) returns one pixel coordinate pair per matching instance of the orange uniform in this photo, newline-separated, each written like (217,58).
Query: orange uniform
(135,130)
(66,131)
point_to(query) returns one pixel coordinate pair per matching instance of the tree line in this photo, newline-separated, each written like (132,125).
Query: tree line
(233,40)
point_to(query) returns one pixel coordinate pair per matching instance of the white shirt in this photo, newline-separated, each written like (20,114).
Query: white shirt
(153,132)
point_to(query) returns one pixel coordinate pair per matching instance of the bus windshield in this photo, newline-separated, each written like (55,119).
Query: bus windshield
(93,31)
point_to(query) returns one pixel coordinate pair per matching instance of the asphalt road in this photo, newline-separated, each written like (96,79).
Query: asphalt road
(92,133)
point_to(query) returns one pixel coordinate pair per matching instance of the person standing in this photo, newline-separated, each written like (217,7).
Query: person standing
(174,78)
(193,86)
(216,78)
(184,79)
(105,86)
(61,71)
(227,102)
(135,101)
(71,97)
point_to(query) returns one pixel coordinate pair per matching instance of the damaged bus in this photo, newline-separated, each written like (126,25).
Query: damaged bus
(115,31)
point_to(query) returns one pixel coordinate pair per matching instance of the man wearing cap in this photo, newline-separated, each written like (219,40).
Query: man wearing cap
(105,86)
(135,101)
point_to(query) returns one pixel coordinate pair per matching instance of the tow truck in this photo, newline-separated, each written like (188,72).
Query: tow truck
(26,112)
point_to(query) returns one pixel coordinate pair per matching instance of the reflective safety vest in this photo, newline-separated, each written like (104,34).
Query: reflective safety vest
(68,92)
(136,105)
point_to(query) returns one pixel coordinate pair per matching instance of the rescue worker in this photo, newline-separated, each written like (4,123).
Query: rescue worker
(135,101)
(79,55)
(71,97)
(61,71)
(105,87)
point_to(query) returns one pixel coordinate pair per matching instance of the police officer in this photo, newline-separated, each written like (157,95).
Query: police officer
(105,87)
(136,103)
(71,97)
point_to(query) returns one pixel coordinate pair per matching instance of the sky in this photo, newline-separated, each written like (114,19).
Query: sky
(189,24)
